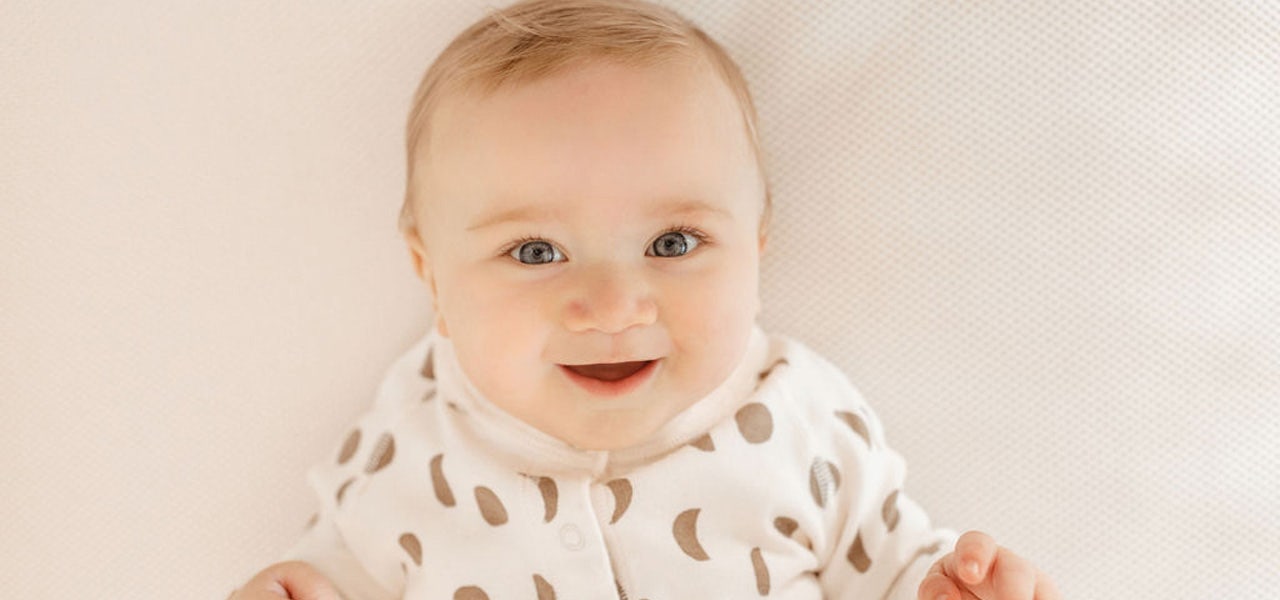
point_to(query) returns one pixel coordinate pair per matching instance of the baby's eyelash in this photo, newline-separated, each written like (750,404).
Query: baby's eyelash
(511,247)
(701,235)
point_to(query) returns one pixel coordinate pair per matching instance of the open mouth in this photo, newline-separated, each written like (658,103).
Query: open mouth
(609,371)
(610,379)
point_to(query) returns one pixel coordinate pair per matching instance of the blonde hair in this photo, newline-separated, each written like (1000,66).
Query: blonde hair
(533,39)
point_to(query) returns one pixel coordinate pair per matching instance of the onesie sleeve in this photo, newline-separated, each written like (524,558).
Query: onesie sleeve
(887,543)
(326,543)
(322,547)
(883,542)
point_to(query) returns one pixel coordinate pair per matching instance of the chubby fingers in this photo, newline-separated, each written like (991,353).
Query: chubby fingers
(936,585)
(296,580)
(1045,590)
(978,568)
(973,558)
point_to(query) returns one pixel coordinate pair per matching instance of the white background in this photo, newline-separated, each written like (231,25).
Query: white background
(1042,237)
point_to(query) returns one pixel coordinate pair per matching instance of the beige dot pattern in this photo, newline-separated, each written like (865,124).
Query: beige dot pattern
(470,592)
(411,545)
(755,423)
(349,447)
(491,507)
(544,589)
(704,443)
(786,526)
(857,555)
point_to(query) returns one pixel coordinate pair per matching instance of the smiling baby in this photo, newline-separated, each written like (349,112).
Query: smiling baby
(595,412)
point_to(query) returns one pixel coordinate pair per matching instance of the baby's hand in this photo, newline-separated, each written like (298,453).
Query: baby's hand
(979,569)
(296,580)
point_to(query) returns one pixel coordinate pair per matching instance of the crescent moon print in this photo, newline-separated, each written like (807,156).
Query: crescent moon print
(769,370)
(411,545)
(491,507)
(685,530)
(858,555)
(855,423)
(762,572)
(890,511)
(824,481)
(621,489)
(545,591)
(383,452)
(428,367)
(343,490)
(438,483)
(550,498)
(349,447)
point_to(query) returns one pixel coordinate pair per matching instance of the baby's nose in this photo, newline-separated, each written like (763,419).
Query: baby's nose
(610,299)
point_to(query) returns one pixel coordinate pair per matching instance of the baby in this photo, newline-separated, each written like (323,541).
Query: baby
(595,413)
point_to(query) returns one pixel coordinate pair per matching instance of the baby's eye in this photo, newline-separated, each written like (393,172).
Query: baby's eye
(537,252)
(672,244)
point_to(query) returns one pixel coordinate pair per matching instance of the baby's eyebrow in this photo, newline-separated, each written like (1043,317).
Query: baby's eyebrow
(531,213)
(518,214)
(684,207)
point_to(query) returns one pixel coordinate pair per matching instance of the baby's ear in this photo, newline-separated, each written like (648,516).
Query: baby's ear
(417,253)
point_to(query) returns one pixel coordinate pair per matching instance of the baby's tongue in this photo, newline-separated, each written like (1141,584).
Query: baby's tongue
(608,371)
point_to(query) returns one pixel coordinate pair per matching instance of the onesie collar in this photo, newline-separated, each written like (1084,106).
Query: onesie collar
(534,452)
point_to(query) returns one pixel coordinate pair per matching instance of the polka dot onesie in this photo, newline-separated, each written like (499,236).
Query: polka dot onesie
(778,484)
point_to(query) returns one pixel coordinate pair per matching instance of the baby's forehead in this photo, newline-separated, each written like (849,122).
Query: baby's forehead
(666,70)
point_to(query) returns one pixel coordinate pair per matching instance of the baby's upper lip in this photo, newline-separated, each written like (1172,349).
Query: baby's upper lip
(607,362)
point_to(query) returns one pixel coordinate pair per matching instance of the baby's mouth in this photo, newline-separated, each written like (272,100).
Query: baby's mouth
(609,371)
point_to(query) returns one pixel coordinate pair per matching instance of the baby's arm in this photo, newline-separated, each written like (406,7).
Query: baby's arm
(295,580)
(318,567)
(887,541)
(877,542)
(323,548)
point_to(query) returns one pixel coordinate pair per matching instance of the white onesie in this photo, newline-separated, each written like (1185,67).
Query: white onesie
(778,484)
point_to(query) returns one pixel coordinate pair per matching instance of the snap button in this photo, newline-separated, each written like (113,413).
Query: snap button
(571,537)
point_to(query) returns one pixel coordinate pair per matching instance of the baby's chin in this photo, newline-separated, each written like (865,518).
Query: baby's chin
(612,433)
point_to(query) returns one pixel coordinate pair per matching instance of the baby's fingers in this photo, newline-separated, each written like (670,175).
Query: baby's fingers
(936,585)
(1013,577)
(294,579)
(1045,590)
(974,555)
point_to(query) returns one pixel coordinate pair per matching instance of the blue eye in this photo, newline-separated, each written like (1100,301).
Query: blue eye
(672,244)
(536,252)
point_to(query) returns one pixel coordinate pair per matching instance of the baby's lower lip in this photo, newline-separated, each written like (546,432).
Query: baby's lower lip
(599,387)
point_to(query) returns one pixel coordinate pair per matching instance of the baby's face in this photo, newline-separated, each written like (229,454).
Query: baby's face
(606,215)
